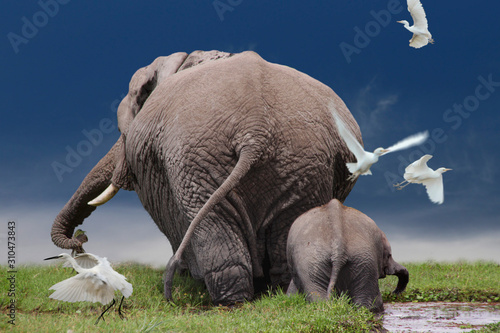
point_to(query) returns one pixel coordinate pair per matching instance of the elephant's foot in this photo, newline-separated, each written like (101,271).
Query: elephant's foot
(368,296)
(229,286)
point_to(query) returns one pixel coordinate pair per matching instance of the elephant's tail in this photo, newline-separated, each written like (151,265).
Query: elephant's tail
(248,157)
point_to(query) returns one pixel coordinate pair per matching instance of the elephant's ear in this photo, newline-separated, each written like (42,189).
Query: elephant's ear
(142,84)
(146,79)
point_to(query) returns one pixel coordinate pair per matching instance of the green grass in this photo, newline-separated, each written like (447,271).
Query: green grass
(191,311)
(491,328)
(451,282)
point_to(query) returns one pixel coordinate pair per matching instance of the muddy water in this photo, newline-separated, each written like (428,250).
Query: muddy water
(439,316)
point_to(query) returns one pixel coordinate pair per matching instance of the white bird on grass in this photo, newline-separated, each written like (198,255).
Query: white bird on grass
(96,281)
(364,159)
(419,173)
(421,34)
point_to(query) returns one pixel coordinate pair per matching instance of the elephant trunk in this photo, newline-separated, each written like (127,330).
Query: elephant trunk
(77,209)
(403,277)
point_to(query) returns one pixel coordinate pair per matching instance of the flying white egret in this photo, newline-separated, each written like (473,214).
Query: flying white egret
(364,159)
(419,173)
(96,281)
(421,34)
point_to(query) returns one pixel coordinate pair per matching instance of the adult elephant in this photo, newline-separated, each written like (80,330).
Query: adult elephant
(239,145)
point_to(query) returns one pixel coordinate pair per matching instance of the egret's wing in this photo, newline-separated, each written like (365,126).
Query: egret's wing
(435,189)
(418,14)
(119,282)
(412,140)
(417,41)
(419,165)
(86,260)
(127,289)
(116,280)
(85,287)
(351,142)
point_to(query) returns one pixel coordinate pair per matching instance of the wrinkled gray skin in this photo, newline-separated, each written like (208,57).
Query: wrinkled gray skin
(338,249)
(239,145)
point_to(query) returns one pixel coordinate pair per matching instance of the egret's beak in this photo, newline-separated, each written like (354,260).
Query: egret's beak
(447,169)
(56,257)
(399,21)
(385,151)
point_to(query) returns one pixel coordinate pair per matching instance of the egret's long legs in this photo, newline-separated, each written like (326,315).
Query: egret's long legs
(102,314)
(403,184)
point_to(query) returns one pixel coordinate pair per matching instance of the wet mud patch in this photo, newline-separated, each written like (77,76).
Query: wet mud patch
(439,316)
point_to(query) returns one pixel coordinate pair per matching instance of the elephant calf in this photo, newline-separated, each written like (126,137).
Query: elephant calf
(338,248)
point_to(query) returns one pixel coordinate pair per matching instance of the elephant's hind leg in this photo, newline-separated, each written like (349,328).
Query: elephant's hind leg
(225,263)
(311,278)
(365,292)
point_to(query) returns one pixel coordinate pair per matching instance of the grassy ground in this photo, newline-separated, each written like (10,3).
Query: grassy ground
(452,282)
(191,311)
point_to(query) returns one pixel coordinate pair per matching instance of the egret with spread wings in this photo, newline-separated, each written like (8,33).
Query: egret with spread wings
(96,281)
(420,27)
(365,159)
(419,173)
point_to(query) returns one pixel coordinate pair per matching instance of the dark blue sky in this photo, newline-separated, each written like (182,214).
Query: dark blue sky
(66,65)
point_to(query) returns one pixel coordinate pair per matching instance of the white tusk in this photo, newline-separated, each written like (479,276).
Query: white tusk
(104,196)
